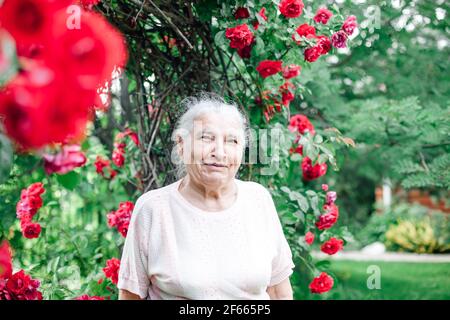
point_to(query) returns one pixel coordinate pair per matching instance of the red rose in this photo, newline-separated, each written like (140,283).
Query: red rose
(35,189)
(324,44)
(112,173)
(18,283)
(123,230)
(69,158)
(291,71)
(328,219)
(4,292)
(325,187)
(241,13)
(127,206)
(331,197)
(323,15)
(100,164)
(291,8)
(31,108)
(88,54)
(298,149)
(21,286)
(286,97)
(118,158)
(339,39)
(128,133)
(133,136)
(111,270)
(309,237)
(322,283)
(34,16)
(25,206)
(332,246)
(349,25)
(304,30)
(301,124)
(5,260)
(313,53)
(31,230)
(121,217)
(245,52)
(311,172)
(268,67)
(112,221)
(239,36)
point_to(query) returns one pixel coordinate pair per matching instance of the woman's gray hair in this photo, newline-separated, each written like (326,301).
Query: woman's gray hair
(195,107)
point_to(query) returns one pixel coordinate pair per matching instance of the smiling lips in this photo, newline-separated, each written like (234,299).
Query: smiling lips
(217,165)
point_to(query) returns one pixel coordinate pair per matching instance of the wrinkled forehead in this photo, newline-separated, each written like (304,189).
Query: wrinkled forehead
(218,124)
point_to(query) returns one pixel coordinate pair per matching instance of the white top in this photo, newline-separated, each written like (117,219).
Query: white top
(174,250)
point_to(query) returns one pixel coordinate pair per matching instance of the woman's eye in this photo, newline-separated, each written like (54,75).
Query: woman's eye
(206,138)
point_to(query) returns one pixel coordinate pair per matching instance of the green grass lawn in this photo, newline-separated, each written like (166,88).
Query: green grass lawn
(399,280)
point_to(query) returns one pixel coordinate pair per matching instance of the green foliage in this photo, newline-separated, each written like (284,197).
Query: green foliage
(398,223)
(417,236)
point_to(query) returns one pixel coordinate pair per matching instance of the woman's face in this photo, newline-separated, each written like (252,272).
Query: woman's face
(215,153)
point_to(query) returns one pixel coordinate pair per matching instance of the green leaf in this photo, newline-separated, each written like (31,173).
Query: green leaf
(219,38)
(323,264)
(8,50)
(132,85)
(69,180)
(318,138)
(322,158)
(6,158)
(301,200)
(300,215)
(259,47)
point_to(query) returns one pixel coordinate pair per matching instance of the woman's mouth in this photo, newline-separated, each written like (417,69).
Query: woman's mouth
(217,165)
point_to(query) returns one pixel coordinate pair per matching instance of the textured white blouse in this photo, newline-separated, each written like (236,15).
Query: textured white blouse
(174,250)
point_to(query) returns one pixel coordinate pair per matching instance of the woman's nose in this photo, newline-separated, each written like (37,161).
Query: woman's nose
(219,150)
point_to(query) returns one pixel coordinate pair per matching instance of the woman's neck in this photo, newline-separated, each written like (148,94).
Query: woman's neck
(213,197)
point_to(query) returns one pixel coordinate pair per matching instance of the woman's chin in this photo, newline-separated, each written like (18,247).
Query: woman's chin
(215,177)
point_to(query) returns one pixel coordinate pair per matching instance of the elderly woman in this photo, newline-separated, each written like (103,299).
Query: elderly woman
(208,235)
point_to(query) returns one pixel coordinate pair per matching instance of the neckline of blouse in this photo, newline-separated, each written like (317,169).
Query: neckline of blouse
(230,211)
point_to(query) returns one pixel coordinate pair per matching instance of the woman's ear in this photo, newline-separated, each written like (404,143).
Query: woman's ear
(179,146)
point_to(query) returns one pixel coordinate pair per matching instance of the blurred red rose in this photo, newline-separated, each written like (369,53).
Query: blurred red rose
(322,283)
(311,172)
(111,270)
(301,124)
(267,68)
(332,246)
(309,237)
(291,8)
(241,13)
(349,25)
(68,158)
(291,71)
(323,15)
(239,36)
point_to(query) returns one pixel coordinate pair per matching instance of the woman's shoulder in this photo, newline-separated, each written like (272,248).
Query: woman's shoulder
(153,199)
(253,187)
